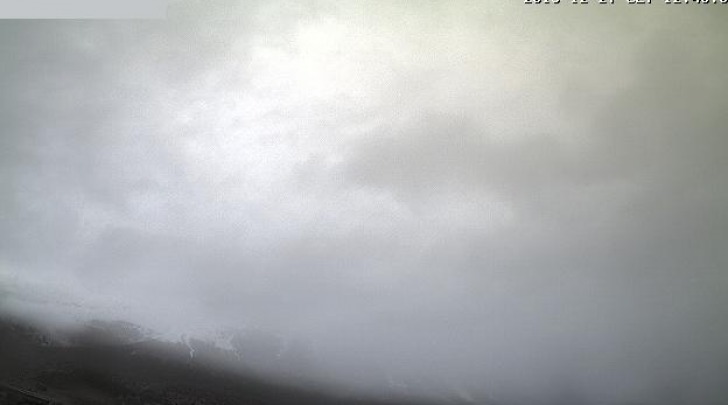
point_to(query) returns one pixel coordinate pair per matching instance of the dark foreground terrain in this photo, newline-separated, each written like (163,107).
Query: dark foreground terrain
(35,368)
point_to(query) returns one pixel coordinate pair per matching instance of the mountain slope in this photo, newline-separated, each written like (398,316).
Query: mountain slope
(116,365)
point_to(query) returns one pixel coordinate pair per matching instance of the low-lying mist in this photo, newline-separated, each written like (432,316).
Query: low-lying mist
(492,201)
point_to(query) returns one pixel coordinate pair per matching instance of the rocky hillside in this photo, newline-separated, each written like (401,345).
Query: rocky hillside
(117,363)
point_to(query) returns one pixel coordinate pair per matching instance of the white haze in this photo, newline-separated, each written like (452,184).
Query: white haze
(517,199)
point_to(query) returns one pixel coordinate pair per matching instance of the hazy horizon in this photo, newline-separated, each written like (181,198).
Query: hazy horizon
(516,199)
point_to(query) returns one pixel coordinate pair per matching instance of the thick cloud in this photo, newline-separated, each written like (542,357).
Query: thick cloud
(523,201)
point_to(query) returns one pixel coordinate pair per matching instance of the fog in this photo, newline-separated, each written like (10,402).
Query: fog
(519,202)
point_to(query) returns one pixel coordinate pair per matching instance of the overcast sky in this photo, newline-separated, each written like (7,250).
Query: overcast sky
(517,198)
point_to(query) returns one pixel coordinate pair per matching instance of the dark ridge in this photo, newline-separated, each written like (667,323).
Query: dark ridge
(93,367)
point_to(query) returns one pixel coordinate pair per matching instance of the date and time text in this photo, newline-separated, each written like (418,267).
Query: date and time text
(630,2)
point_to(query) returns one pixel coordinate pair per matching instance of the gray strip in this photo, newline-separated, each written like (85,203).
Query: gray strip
(83,9)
